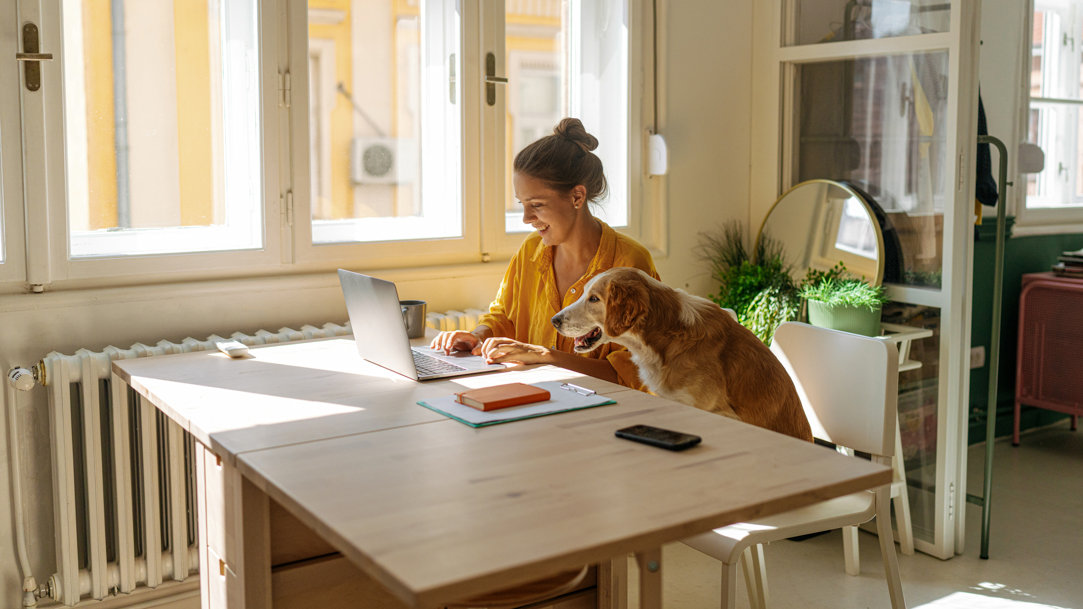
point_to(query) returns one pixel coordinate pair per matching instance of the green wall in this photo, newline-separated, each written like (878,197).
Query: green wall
(1022,255)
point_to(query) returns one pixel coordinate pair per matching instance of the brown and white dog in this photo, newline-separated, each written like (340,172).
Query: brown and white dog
(687,349)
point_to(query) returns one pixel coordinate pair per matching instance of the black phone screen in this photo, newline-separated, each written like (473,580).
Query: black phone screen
(656,436)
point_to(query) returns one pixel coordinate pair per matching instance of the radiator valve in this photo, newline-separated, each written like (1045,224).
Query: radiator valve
(21,378)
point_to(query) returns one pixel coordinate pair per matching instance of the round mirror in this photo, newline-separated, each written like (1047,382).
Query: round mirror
(819,223)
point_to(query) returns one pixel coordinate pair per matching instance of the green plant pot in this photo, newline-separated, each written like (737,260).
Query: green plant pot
(858,320)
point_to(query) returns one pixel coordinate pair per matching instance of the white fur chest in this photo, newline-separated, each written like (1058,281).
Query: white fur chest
(651,373)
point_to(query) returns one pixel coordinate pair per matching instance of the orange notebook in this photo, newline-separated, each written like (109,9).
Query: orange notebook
(502,396)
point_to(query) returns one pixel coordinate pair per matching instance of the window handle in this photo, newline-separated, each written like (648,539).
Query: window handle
(32,55)
(491,79)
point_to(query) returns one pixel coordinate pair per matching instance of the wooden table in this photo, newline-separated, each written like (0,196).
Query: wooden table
(308,449)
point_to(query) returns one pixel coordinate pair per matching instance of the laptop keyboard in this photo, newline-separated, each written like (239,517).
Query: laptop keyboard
(428,365)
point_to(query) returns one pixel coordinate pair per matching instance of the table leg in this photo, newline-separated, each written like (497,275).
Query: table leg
(613,583)
(650,578)
(234,537)
(257,546)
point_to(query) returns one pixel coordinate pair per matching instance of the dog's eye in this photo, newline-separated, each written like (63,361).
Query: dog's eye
(593,298)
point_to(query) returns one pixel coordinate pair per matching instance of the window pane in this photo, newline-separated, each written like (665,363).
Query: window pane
(570,59)
(384,120)
(1037,53)
(880,123)
(162,123)
(918,412)
(535,42)
(1056,129)
(1054,125)
(818,21)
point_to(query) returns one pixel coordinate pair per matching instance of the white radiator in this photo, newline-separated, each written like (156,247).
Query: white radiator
(454,320)
(123,476)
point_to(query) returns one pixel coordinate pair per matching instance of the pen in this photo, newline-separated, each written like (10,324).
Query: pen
(577,389)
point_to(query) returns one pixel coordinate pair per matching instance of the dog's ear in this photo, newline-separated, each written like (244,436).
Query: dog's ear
(626,302)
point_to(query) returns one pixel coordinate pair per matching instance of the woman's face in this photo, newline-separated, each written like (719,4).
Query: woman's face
(552,213)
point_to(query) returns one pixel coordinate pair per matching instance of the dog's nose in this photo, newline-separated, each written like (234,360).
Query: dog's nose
(557,320)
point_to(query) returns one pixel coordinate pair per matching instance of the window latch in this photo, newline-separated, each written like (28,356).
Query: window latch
(32,56)
(491,79)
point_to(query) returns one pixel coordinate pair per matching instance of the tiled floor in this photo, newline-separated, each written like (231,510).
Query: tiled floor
(1035,548)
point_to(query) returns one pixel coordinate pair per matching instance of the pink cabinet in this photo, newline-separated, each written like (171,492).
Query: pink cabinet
(1049,363)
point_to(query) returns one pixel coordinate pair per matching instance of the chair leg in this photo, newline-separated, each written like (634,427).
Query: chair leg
(850,551)
(749,571)
(759,578)
(902,519)
(900,497)
(887,547)
(729,585)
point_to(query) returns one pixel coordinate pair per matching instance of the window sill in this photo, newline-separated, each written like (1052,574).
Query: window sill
(1023,230)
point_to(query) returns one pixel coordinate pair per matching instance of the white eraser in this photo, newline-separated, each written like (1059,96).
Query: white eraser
(232,348)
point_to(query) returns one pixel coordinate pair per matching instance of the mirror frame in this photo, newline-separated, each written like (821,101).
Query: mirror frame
(873,217)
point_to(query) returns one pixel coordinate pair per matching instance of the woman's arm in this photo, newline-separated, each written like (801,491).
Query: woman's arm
(598,368)
(507,350)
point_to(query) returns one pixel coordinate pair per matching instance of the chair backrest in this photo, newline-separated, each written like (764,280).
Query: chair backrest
(848,384)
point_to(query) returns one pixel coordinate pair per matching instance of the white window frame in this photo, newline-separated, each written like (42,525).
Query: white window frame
(12,246)
(1031,216)
(49,254)
(285,179)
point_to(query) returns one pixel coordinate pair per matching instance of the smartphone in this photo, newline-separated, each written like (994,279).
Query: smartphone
(656,436)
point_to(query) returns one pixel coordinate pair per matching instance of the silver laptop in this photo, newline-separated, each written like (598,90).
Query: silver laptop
(380,333)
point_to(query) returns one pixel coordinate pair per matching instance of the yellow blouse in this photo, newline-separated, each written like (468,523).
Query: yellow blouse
(528,297)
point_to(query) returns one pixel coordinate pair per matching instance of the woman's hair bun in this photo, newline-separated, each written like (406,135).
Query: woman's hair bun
(573,129)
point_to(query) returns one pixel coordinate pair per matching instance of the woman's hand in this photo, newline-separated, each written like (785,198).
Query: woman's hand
(456,340)
(506,350)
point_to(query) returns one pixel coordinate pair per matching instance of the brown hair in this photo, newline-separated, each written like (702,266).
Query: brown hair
(564,159)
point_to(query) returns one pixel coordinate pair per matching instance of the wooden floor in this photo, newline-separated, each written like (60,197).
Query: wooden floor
(1035,550)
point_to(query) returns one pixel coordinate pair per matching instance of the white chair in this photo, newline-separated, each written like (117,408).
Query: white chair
(848,385)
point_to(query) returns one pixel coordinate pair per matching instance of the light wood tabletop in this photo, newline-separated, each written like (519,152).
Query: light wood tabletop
(297,392)
(435,510)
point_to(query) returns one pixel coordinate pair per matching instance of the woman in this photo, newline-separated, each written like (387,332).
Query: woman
(555,179)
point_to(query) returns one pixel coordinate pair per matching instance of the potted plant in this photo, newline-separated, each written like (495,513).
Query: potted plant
(757,286)
(842,302)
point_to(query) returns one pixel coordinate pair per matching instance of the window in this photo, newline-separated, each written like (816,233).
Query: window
(162,134)
(204,137)
(1053,120)
(389,129)
(386,136)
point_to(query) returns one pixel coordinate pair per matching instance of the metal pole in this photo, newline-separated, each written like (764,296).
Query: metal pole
(994,343)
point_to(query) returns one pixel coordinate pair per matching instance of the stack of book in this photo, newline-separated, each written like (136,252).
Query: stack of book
(1070,264)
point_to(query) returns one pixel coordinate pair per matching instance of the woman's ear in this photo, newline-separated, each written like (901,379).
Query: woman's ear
(579,196)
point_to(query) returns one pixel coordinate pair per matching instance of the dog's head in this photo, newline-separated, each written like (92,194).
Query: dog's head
(612,303)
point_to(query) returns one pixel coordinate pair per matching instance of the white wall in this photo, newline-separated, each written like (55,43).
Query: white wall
(705,118)
(1000,79)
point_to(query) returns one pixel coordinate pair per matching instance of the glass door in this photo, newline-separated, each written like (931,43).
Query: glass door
(880,94)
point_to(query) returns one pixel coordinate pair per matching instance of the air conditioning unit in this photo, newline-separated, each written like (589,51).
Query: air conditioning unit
(383,160)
